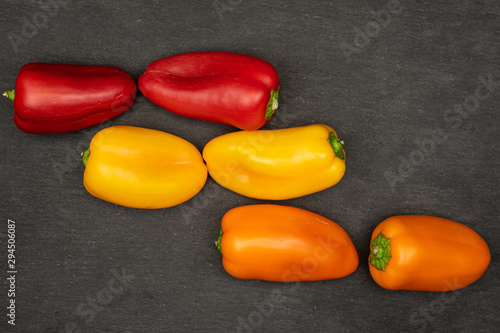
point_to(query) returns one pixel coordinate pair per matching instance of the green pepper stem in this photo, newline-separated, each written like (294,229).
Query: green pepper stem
(380,252)
(273,103)
(337,145)
(217,242)
(85,156)
(10,94)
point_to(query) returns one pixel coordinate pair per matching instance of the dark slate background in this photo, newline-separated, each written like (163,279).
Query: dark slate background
(412,87)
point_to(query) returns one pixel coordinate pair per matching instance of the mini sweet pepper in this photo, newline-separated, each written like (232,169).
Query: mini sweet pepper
(222,87)
(277,164)
(284,244)
(426,253)
(62,98)
(142,168)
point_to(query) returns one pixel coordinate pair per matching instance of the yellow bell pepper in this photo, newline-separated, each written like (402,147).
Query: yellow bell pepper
(277,164)
(142,168)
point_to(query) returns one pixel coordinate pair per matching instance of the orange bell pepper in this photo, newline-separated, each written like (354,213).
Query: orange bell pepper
(426,253)
(284,244)
(142,168)
(277,164)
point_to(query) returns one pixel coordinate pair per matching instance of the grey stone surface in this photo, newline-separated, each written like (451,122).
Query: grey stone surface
(412,87)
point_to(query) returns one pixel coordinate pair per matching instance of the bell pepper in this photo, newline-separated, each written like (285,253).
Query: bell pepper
(277,164)
(284,244)
(142,168)
(62,98)
(222,87)
(426,253)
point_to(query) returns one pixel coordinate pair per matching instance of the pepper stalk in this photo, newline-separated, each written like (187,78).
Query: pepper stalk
(217,242)
(10,94)
(85,156)
(273,103)
(337,145)
(380,252)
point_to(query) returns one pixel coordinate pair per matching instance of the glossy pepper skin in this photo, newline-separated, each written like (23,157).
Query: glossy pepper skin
(276,164)
(426,253)
(284,244)
(62,98)
(222,87)
(142,168)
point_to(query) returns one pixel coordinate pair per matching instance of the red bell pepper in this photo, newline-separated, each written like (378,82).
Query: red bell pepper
(221,87)
(62,98)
